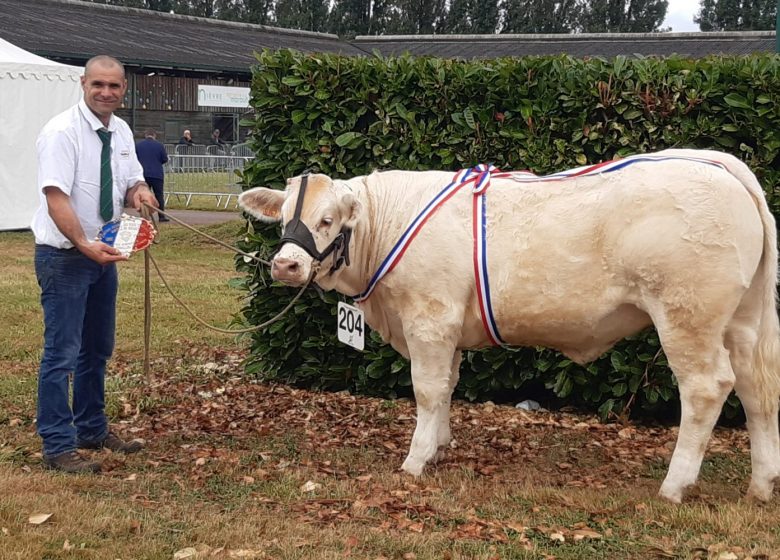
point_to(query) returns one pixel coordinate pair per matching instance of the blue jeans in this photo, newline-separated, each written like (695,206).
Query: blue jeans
(78,297)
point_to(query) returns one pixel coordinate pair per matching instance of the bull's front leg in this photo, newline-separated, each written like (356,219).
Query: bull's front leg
(444,435)
(432,378)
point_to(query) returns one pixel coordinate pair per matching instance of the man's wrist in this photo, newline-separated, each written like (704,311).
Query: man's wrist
(81,244)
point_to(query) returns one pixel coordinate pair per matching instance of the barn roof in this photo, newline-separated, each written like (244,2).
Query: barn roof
(76,31)
(73,31)
(608,45)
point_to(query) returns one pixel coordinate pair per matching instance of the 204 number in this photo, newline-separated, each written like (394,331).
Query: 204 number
(349,322)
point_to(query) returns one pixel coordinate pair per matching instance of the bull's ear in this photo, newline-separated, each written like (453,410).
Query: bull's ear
(263,203)
(351,208)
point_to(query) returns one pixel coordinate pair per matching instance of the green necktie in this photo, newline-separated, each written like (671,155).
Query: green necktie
(106,178)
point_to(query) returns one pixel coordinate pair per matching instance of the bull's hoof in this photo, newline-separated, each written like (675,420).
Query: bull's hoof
(413,466)
(760,491)
(440,455)
(673,495)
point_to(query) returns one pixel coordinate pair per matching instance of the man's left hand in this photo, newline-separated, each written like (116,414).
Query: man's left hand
(143,195)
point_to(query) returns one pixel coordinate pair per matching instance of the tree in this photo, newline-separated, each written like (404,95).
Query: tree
(258,11)
(415,17)
(484,16)
(623,16)
(472,17)
(159,5)
(736,15)
(456,20)
(349,18)
(247,11)
(541,16)
(387,17)
(200,8)
(311,15)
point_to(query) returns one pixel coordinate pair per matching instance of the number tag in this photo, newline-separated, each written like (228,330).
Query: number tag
(351,327)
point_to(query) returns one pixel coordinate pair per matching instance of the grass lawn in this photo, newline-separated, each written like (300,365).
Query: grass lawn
(216,184)
(236,468)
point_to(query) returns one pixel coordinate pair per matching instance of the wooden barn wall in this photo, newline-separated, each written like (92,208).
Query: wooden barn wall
(169,93)
(169,105)
(169,124)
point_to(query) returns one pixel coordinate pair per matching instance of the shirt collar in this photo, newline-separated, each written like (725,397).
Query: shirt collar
(92,119)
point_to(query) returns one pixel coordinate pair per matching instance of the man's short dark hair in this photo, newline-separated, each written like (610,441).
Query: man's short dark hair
(105,61)
(150,133)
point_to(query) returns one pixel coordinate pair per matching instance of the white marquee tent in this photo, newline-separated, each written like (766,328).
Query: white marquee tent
(32,90)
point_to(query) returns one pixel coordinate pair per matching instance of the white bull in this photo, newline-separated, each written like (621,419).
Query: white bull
(574,264)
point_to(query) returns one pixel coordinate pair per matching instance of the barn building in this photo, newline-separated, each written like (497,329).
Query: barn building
(194,73)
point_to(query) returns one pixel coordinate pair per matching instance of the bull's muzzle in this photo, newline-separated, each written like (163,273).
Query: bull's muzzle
(288,271)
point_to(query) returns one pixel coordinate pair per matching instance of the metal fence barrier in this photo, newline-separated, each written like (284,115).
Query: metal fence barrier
(189,175)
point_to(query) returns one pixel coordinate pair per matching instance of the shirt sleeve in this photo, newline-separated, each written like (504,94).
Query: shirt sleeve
(56,160)
(164,154)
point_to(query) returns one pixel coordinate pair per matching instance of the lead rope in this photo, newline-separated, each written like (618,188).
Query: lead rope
(147,208)
(313,273)
(147,301)
(146,213)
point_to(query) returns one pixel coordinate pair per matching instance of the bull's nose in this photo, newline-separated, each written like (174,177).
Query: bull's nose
(282,269)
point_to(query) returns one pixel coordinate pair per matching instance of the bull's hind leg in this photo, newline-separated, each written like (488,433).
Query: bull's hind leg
(432,366)
(693,343)
(742,341)
(705,378)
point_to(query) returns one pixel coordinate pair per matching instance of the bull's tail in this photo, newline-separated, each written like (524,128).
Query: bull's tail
(766,356)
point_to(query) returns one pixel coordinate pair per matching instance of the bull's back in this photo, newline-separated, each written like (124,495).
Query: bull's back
(579,258)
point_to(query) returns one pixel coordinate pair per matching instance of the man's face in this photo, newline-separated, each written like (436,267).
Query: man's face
(104,87)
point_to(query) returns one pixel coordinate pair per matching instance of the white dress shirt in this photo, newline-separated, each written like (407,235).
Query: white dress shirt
(69,159)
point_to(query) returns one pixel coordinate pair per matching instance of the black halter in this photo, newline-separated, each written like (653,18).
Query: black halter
(295,231)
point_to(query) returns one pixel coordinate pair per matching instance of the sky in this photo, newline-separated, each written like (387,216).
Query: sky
(680,14)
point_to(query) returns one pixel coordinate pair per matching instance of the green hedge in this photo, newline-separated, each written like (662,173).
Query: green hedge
(349,116)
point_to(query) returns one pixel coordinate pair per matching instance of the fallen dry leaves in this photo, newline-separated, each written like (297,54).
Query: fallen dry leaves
(202,551)
(492,440)
(39,518)
(208,399)
(278,431)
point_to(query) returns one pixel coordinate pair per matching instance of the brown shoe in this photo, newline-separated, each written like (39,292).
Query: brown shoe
(114,443)
(71,462)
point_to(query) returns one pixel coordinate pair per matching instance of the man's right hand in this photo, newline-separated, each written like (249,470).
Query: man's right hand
(100,252)
(65,219)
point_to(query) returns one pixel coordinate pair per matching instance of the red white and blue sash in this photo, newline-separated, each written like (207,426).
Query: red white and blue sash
(479,212)
(600,168)
(480,177)
(411,232)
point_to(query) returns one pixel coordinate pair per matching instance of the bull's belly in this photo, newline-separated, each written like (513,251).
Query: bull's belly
(580,336)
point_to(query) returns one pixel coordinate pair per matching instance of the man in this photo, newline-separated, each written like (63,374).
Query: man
(186,139)
(152,156)
(87,170)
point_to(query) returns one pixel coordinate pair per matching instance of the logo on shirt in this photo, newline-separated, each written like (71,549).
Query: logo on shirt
(124,154)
